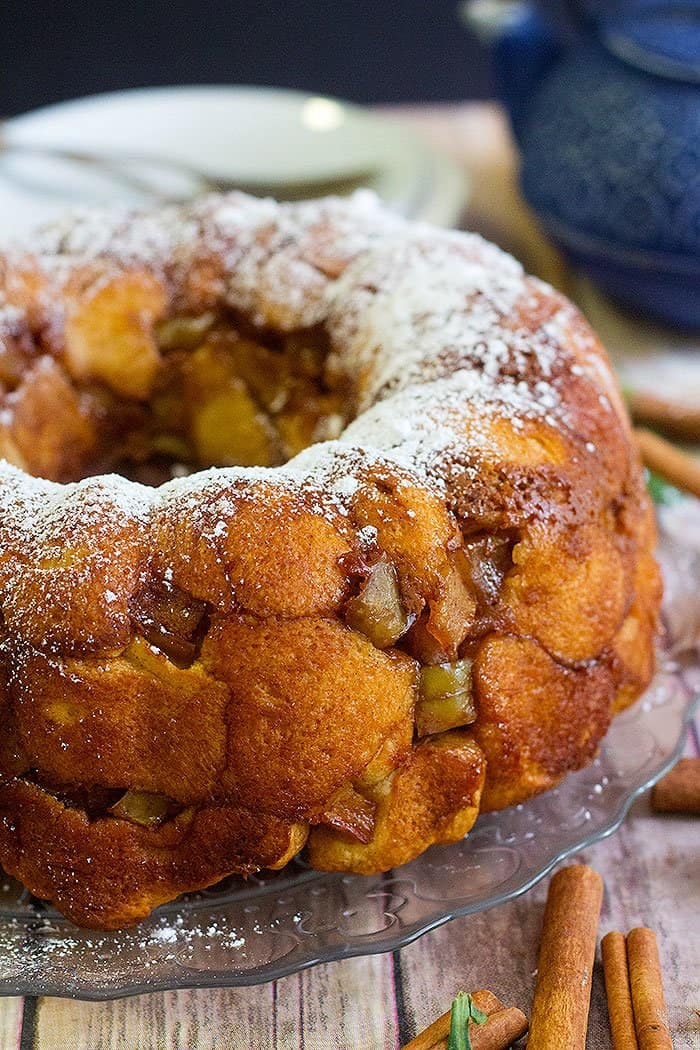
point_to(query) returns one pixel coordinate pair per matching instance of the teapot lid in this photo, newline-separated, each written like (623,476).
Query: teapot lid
(658,36)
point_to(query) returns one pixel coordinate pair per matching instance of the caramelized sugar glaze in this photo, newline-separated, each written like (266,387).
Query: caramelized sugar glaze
(418,582)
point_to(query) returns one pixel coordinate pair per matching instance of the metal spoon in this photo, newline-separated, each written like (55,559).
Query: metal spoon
(121,168)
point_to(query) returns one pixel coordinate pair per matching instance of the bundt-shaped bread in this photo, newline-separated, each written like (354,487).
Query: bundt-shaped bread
(351,644)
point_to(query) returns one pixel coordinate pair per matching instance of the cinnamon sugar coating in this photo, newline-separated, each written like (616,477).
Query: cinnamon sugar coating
(184,691)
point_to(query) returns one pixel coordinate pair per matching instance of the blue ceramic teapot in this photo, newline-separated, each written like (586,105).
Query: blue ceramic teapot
(604,100)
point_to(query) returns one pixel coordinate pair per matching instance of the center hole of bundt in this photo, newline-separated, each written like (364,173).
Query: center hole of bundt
(228,394)
(165,398)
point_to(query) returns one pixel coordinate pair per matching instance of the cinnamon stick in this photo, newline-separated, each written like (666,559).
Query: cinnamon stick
(617,987)
(565,969)
(648,1001)
(678,418)
(665,459)
(679,790)
(501,1030)
(483,999)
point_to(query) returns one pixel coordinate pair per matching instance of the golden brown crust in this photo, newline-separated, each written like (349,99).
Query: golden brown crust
(132,720)
(304,693)
(110,873)
(537,719)
(432,797)
(238,655)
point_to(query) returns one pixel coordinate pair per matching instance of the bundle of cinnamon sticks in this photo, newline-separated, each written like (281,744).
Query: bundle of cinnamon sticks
(559,1019)
(635,991)
(503,1026)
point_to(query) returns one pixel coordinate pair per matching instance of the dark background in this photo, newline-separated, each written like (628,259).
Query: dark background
(368,51)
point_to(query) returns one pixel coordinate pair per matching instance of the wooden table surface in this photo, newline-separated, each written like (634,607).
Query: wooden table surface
(651,866)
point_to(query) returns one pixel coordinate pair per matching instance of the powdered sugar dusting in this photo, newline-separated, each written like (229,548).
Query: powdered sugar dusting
(423,325)
(272,260)
(420,303)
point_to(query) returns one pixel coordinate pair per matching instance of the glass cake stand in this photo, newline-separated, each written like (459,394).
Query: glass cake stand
(242,933)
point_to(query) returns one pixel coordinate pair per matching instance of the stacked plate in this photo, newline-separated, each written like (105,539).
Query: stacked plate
(247,136)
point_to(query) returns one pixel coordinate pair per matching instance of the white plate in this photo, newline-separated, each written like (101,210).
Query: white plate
(234,132)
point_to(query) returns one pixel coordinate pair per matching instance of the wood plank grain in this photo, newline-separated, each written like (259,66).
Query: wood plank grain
(319,1009)
(348,1004)
(204,1020)
(496,950)
(650,871)
(10,1023)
